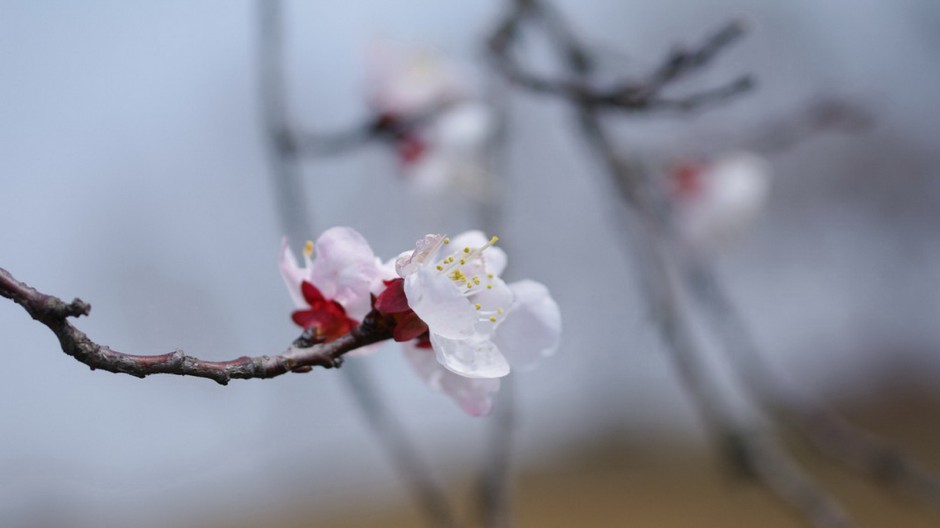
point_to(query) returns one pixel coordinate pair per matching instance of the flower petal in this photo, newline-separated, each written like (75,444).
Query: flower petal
(409,327)
(532,328)
(494,258)
(474,395)
(440,303)
(476,357)
(311,294)
(425,249)
(292,274)
(346,270)
(392,300)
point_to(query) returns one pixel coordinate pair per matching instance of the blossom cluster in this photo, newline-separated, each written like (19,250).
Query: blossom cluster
(462,327)
(437,123)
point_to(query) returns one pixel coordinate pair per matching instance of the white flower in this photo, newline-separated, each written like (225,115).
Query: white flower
(407,81)
(529,333)
(717,201)
(477,324)
(440,127)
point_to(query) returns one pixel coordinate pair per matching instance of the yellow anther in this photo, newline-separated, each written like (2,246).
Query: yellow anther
(446,240)
(466,250)
(440,268)
(492,318)
(476,280)
(494,240)
(499,311)
(462,262)
(478,306)
(489,275)
(489,286)
(308,248)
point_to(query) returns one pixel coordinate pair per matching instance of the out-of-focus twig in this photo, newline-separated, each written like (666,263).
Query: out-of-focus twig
(826,430)
(759,454)
(496,480)
(630,95)
(828,114)
(286,146)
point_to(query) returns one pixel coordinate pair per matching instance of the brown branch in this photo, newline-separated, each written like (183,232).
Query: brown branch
(53,312)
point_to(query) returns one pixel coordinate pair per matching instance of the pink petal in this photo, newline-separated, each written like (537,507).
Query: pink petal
(473,395)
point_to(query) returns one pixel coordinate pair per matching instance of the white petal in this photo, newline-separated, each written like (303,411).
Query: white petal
(439,302)
(463,128)
(432,174)
(532,328)
(345,270)
(735,190)
(474,395)
(476,357)
(292,274)
(496,301)
(494,258)
(471,239)
(407,81)
(425,250)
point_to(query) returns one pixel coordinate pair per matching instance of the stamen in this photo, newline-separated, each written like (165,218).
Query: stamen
(499,311)
(492,318)
(446,240)
(308,248)
(478,306)
(466,250)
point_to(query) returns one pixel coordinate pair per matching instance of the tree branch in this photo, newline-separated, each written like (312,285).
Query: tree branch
(629,95)
(758,454)
(53,312)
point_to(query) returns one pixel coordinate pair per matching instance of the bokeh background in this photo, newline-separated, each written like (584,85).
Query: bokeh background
(134,176)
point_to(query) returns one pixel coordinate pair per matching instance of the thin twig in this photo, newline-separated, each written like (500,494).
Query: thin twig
(54,314)
(285,150)
(822,115)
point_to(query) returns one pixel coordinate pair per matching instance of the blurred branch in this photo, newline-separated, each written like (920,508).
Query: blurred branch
(495,491)
(757,454)
(54,313)
(285,146)
(827,431)
(629,95)
(828,114)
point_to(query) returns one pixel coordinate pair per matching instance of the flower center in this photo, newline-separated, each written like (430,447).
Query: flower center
(465,267)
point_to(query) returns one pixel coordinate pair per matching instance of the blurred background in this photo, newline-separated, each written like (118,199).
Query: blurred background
(134,175)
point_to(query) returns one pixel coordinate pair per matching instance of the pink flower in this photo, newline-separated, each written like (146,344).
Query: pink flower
(333,289)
